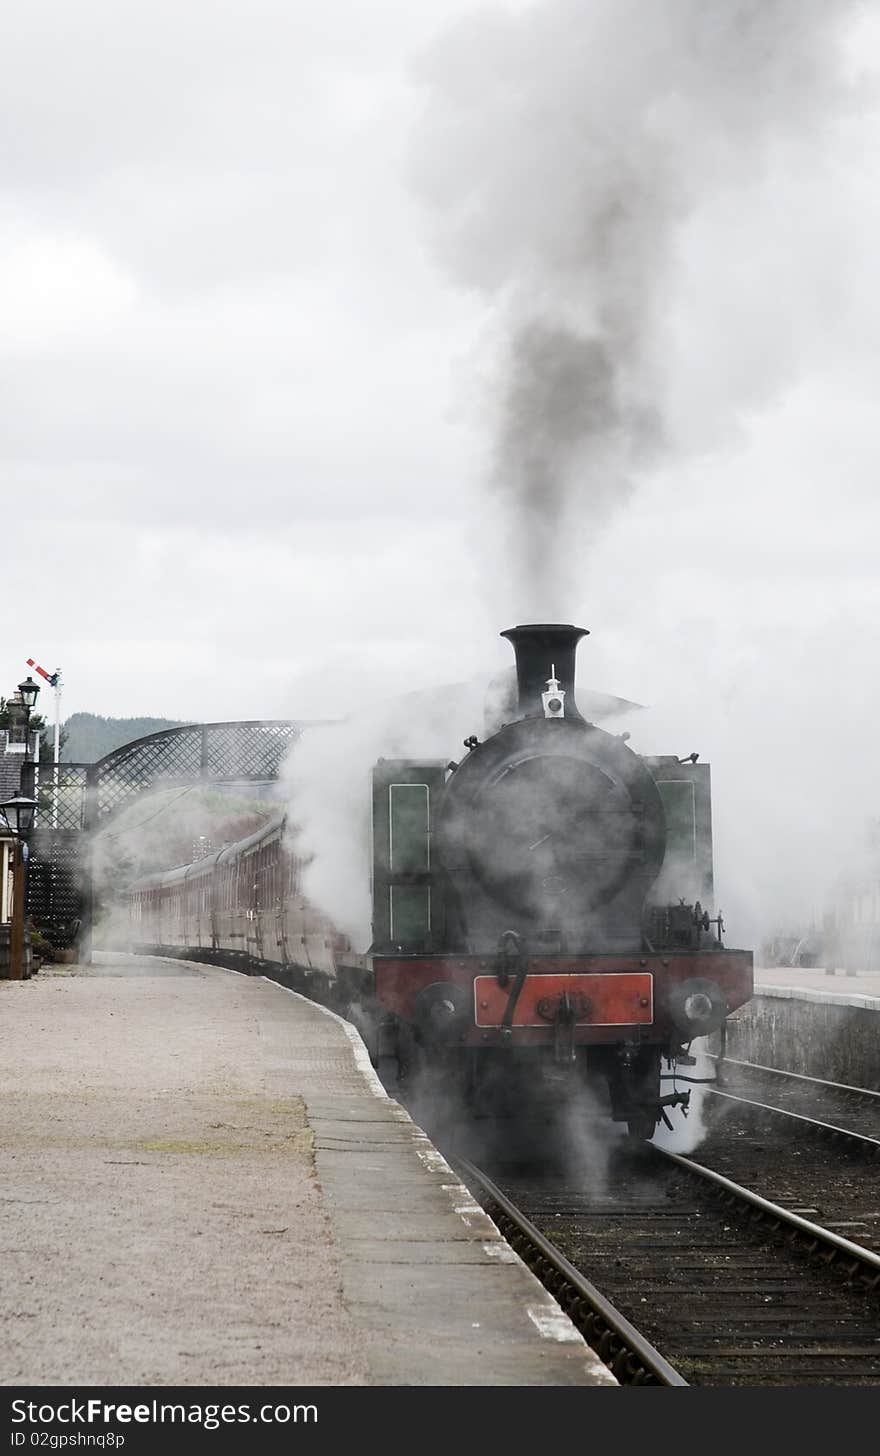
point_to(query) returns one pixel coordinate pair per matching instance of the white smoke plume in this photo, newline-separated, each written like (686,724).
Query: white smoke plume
(327,783)
(577,155)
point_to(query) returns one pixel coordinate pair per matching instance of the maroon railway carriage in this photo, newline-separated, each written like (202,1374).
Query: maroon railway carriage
(244,906)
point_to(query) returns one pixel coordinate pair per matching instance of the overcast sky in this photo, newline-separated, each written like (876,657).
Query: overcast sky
(257,266)
(229,443)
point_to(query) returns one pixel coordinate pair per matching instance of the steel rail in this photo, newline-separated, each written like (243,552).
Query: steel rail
(797,1076)
(836,1244)
(857,1137)
(617,1341)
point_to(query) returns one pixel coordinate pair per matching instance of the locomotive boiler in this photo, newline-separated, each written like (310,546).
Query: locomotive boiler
(548,900)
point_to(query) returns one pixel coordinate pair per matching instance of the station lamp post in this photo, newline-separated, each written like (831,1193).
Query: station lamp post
(28,691)
(18,814)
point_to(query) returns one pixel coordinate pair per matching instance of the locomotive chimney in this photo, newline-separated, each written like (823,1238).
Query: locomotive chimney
(545,650)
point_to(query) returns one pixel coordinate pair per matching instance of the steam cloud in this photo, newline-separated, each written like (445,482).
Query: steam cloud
(326,780)
(566,148)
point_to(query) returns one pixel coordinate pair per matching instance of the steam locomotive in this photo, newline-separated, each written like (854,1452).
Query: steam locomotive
(543,905)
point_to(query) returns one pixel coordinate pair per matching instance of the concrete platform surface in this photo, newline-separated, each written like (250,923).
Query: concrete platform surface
(847,987)
(203,1182)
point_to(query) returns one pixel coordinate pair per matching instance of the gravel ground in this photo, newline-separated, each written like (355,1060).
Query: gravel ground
(161,1218)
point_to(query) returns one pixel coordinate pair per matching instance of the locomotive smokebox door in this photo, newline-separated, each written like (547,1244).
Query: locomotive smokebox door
(551,828)
(407,900)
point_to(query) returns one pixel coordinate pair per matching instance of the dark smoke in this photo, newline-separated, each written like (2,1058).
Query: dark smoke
(566,148)
(564,424)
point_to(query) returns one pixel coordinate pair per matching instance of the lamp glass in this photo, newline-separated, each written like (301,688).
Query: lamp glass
(29,690)
(19,813)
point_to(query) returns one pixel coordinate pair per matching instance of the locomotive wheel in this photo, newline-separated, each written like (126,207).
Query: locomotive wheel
(640,1127)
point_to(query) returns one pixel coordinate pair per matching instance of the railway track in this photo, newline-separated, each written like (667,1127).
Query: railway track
(723,1286)
(811,1147)
(832,1107)
(632,1358)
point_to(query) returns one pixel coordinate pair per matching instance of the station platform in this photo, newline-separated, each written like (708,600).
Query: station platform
(814,1023)
(204,1183)
(853,987)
